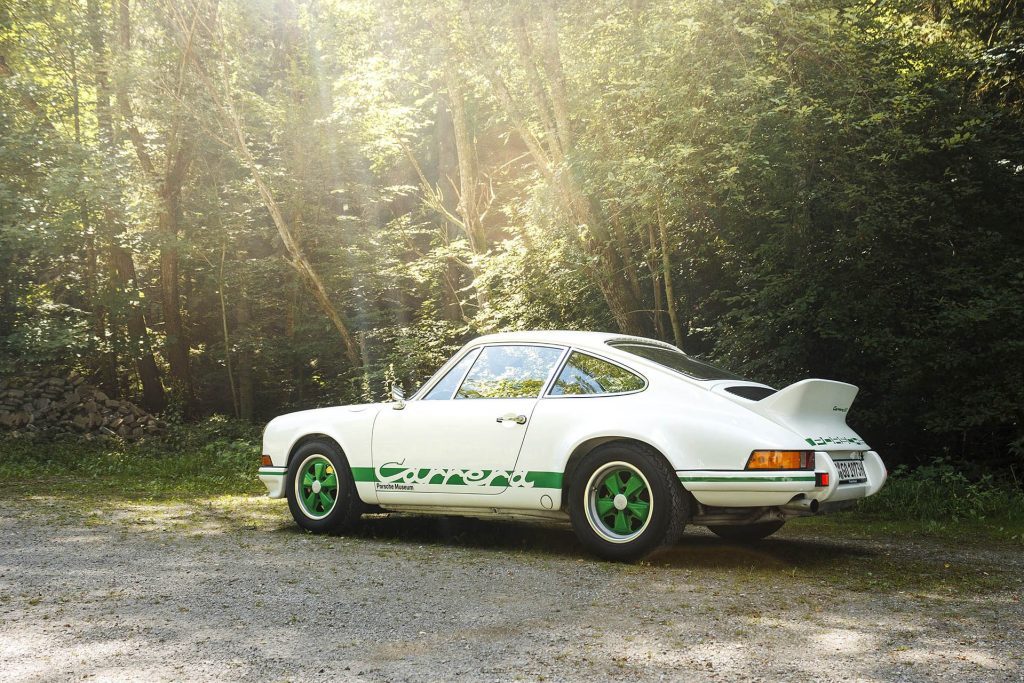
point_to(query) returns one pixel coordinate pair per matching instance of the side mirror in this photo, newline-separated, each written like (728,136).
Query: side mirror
(398,396)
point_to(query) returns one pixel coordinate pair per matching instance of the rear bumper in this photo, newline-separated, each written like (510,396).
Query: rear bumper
(273,478)
(768,489)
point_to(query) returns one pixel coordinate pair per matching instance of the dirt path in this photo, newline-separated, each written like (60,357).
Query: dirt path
(230,590)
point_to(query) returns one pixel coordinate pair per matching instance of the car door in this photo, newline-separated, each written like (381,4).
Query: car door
(460,441)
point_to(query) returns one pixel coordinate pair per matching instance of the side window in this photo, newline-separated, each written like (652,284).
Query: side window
(444,389)
(510,372)
(587,375)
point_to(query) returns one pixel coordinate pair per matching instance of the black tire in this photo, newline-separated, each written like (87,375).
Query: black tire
(345,509)
(619,532)
(746,533)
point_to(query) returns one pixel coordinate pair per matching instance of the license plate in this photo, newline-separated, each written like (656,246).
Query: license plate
(850,471)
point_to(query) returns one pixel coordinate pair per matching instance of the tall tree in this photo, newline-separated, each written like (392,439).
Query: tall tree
(167,176)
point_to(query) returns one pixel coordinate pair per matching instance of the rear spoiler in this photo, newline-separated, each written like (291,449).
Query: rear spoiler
(816,409)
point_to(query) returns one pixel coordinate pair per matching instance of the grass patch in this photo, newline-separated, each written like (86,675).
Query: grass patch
(938,501)
(940,491)
(215,457)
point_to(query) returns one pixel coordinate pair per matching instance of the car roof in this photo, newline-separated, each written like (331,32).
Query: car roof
(592,340)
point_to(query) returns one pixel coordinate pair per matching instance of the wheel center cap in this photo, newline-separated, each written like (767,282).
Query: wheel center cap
(316,487)
(620,502)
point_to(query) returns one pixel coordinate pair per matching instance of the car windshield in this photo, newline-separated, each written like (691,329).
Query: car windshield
(675,360)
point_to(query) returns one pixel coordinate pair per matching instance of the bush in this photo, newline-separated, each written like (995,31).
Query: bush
(217,456)
(939,492)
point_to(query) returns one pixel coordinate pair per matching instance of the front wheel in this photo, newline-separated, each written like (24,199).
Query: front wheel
(746,533)
(625,501)
(321,493)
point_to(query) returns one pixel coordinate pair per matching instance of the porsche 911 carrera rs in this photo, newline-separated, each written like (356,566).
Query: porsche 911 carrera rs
(625,438)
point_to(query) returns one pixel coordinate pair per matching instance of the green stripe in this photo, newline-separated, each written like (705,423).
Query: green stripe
(541,480)
(545,480)
(274,472)
(747,479)
(363,474)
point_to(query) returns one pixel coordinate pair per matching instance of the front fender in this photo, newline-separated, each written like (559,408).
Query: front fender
(351,427)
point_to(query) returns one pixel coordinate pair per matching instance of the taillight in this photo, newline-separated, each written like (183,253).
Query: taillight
(781,460)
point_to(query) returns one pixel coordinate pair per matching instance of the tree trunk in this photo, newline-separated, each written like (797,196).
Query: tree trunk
(224,328)
(121,262)
(168,185)
(446,167)
(469,175)
(291,245)
(176,339)
(245,379)
(123,273)
(655,268)
(666,266)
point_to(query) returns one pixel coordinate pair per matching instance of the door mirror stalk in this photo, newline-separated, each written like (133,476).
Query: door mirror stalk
(398,396)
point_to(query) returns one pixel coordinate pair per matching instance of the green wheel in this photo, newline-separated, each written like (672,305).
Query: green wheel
(316,486)
(618,502)
(624,501)
(321,493)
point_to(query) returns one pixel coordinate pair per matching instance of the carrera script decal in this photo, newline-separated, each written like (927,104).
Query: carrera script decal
(394,476)
(835,441)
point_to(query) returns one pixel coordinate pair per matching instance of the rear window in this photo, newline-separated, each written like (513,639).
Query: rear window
(675,360)
(585,375)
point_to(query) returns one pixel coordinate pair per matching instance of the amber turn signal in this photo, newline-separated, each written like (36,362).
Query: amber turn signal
(781,460)
(266,461)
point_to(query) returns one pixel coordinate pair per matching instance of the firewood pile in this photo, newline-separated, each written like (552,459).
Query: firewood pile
(55,406)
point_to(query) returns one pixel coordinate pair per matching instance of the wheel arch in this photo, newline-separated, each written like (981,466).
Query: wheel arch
(586,447)
(314,436)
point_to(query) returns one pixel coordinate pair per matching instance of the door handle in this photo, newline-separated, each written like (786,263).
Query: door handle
(512,417)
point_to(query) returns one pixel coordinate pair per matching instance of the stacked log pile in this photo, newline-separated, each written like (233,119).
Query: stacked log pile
(56,406)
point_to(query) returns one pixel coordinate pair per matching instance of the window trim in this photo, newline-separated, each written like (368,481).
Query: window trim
(587,352)
(552,375)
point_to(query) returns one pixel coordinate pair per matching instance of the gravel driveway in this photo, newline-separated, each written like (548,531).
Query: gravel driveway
(230,590)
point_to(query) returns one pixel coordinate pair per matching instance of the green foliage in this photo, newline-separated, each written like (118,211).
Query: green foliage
(941,493)
(215,456)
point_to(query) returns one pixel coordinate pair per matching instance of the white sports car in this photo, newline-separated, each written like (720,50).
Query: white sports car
(629,439)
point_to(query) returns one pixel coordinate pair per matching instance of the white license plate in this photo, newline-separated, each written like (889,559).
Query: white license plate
(850,470)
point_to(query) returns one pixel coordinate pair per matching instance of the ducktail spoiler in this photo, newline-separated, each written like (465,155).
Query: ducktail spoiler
(816,409)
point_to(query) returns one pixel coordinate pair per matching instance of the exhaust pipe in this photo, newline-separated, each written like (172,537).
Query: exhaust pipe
(805,505)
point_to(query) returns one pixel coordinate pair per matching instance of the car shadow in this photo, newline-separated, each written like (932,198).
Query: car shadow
(697,549)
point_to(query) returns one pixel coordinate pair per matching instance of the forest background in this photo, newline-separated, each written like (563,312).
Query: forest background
(248,207)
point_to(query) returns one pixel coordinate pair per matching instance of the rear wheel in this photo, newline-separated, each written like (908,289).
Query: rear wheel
(625,501)
(746,533)
(321,493)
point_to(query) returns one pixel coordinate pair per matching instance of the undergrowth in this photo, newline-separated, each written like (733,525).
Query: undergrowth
(216,456)
(939,491)
(940,501)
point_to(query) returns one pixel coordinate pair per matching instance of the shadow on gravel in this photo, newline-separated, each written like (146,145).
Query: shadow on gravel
(465,532)
(709,552)
(694,550)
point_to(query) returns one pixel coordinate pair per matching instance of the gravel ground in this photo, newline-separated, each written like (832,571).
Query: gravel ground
(229,589)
